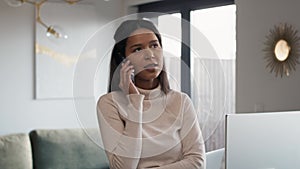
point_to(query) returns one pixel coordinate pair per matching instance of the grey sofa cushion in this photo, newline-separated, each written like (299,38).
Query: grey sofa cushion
(15,152)
(66,149)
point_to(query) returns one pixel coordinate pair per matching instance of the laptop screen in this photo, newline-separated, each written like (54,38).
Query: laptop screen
(263,140)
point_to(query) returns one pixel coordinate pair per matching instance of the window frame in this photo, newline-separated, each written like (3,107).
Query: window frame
(184,7)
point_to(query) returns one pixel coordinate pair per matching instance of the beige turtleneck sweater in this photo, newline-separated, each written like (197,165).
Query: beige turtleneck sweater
(150,130)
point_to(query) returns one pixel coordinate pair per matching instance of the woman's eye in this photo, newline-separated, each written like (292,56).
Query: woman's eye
(154,45)
(137,49)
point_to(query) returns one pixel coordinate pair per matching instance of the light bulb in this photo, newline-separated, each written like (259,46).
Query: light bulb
(282,50)
(15,3)
(56,33)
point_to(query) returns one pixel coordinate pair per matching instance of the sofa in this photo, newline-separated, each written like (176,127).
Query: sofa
(52,149)
(63,149)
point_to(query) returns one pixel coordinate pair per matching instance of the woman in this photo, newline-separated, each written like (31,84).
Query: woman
(144,123)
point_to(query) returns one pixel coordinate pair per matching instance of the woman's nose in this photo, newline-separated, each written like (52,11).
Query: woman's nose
(148,53)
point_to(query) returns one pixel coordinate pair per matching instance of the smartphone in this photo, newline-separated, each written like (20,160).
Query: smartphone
(123,61)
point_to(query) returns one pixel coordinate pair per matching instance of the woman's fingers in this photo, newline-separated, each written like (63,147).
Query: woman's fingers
(125,76)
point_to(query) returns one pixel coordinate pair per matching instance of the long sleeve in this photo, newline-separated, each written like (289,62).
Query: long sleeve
(151,130)
(193,148)
(122,138)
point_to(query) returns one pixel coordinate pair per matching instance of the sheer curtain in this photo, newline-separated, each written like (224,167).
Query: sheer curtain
(213,70)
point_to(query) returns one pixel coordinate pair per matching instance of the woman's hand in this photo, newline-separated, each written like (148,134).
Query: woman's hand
(126,84)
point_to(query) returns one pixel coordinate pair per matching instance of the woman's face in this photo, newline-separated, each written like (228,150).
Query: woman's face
(145,54)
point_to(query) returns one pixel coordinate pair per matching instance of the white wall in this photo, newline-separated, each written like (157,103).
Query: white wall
(19,111)
(255,85)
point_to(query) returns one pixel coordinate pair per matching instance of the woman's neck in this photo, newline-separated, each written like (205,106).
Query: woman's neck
(146,84)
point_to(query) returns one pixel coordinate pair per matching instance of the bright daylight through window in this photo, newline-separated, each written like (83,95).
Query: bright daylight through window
(212,67)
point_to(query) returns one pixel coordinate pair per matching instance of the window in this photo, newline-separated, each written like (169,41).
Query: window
(200,46)
(213,68)
(171,42)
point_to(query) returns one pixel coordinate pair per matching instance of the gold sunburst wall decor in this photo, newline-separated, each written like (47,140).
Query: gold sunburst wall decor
(282,49)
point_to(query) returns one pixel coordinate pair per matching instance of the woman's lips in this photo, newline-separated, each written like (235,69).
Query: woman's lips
(151,66)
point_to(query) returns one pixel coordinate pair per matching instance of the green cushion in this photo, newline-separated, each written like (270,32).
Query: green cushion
(15,152)
(66,149)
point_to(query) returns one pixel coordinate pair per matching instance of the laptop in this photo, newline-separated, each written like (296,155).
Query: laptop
(263,140)
(214,158)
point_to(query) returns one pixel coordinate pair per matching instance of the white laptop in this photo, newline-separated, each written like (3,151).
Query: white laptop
(214,158)
(263,140)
